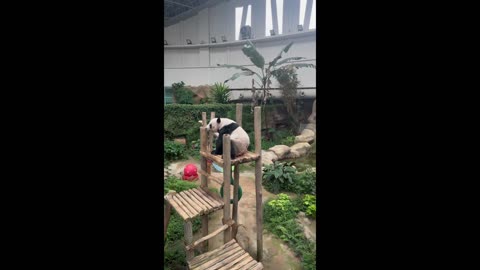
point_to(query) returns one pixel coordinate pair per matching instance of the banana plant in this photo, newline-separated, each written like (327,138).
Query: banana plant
(262,77)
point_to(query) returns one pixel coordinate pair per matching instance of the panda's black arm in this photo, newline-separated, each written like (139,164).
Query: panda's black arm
(218,146)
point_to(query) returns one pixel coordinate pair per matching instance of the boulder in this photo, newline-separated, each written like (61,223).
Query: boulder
(300,149)
(311,127)
(268,157)
(280,150)
(306,136)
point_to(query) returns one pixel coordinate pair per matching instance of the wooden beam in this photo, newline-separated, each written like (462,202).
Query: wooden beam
(188,238)
(258,183)
(236,184)
(238,112)
(227,168)
(213,234)
(204,119)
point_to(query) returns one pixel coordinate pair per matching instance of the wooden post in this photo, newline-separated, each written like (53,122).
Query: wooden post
(188,238)
(236,183)
(258,181)
(239,113)
(168,211)
(204,119)
(227,174)
(210,135)
(204,181)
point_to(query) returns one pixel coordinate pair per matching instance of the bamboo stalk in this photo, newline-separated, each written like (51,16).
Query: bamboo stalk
(227,168)
(258,183)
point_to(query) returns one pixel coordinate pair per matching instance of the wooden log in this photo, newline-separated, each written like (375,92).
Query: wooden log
(236,184)
(258,183)
(204,119)
(185,206)
(203,160)
(213,204)
(168,211)
(191,203)
(188,238)
(227,174)
(210,135)
(214,233)
(220,258)
(249,262)
(244,257)
(177,207)
(228,260)
(198,200)
(239,110)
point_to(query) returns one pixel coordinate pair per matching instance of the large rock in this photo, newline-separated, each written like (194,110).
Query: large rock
(311,127)
(268,157)
(306,136)
(280,150)
(300,149)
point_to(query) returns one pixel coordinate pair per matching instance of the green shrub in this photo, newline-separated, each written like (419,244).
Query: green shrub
(309,202)
(279,217)
(305,182)
(278,177)
(173,150)
(288,141)
(220,93)
(182,94)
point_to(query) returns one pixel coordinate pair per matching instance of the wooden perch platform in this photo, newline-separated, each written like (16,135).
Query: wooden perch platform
(194,202)
(247,157)
(230,256)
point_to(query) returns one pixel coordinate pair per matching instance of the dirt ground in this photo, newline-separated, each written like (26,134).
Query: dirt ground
(276,254)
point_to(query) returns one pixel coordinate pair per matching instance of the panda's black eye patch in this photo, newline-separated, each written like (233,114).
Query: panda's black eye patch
(210,125)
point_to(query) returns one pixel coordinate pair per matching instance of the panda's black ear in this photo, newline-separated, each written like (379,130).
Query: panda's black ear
(218,120)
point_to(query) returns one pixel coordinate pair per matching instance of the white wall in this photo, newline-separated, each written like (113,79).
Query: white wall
(198,65)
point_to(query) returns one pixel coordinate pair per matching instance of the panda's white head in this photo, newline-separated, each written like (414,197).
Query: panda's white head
(216,124)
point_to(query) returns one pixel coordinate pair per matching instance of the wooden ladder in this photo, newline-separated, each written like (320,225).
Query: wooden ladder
(200,201)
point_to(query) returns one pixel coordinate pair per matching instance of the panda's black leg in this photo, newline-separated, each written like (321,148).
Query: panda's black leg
(219,147)
(233,154)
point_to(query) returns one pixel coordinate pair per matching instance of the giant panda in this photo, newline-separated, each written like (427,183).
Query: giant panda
(238,137)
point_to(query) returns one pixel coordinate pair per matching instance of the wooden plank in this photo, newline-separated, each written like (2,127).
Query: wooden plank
(201,200)
(177,207)
(236,184)
(244,264)
(198,201)
(227,174)
(189,238)
(201,259)
(213,196)
(228,260)
(258,183)
(214,233)
(239,110)
(211,177)
(259,266)
(193,204)
(247,157)
(183,206)
(207,195)
(242,258)
(217,259)
(204,198)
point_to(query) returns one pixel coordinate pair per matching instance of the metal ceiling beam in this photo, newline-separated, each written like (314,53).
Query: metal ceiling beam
(180,4)
(191,12)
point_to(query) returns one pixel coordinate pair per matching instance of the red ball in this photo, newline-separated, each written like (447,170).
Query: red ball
(190,172)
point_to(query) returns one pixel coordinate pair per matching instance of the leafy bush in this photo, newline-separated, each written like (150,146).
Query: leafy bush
(278,176)
(288,141)
(182,94)
(279,217)
(220,93)
(309,202)
(173,150)
(305,183)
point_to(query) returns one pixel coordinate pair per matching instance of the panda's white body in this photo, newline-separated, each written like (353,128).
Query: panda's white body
(239,138)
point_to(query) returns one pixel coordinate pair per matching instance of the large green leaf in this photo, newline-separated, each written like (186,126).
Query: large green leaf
(300,65)
(274,61)
(289,59)
(251,52)
(241,68)
(236,75)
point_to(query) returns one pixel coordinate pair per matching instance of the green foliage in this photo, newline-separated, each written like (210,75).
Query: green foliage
(220,93)
(279,217)
(305,183)
(182,94)
(309,201)
(278,176)
(173,150)
(288,141)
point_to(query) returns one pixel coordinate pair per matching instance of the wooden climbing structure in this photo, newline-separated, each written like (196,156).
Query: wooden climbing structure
(200,202)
